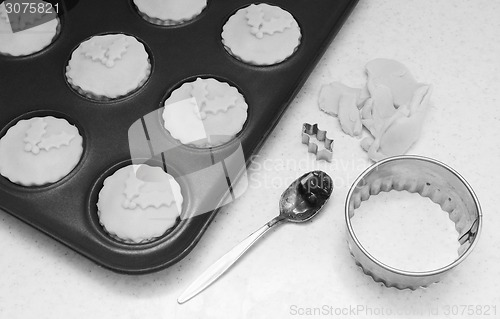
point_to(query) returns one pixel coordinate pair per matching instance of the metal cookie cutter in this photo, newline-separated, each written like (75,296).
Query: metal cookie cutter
(431,179)
(326,152)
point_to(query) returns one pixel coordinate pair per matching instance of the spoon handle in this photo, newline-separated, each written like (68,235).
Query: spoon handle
(225,262)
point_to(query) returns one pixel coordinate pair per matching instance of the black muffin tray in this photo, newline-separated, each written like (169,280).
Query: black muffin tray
(36,86)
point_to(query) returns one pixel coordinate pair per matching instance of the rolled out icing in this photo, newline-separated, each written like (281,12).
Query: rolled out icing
(392,108)
(395,76)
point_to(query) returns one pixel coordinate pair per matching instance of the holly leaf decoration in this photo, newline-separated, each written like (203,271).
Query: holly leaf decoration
(35,139)
(260,26)
(199,92)
(115,51)
(93,51)
(34,135)
(218,104)
(106,55)
(55,141)
(146,194)
(276,25)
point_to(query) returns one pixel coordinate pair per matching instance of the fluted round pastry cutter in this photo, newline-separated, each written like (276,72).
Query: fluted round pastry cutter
(429,178)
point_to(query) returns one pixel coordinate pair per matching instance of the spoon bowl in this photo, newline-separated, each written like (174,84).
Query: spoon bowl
(305,197)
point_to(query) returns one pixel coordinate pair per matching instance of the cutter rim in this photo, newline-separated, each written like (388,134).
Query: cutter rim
(405,273)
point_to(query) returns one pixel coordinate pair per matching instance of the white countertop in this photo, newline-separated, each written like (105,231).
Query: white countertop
(454,45)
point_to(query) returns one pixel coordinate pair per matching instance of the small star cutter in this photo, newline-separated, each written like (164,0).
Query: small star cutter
(324,152)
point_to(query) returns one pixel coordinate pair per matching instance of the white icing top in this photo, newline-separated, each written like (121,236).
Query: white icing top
(205,113)
(139,202)
(261,34)
(111,65)
(28,41)
(39,151)
(172,11)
